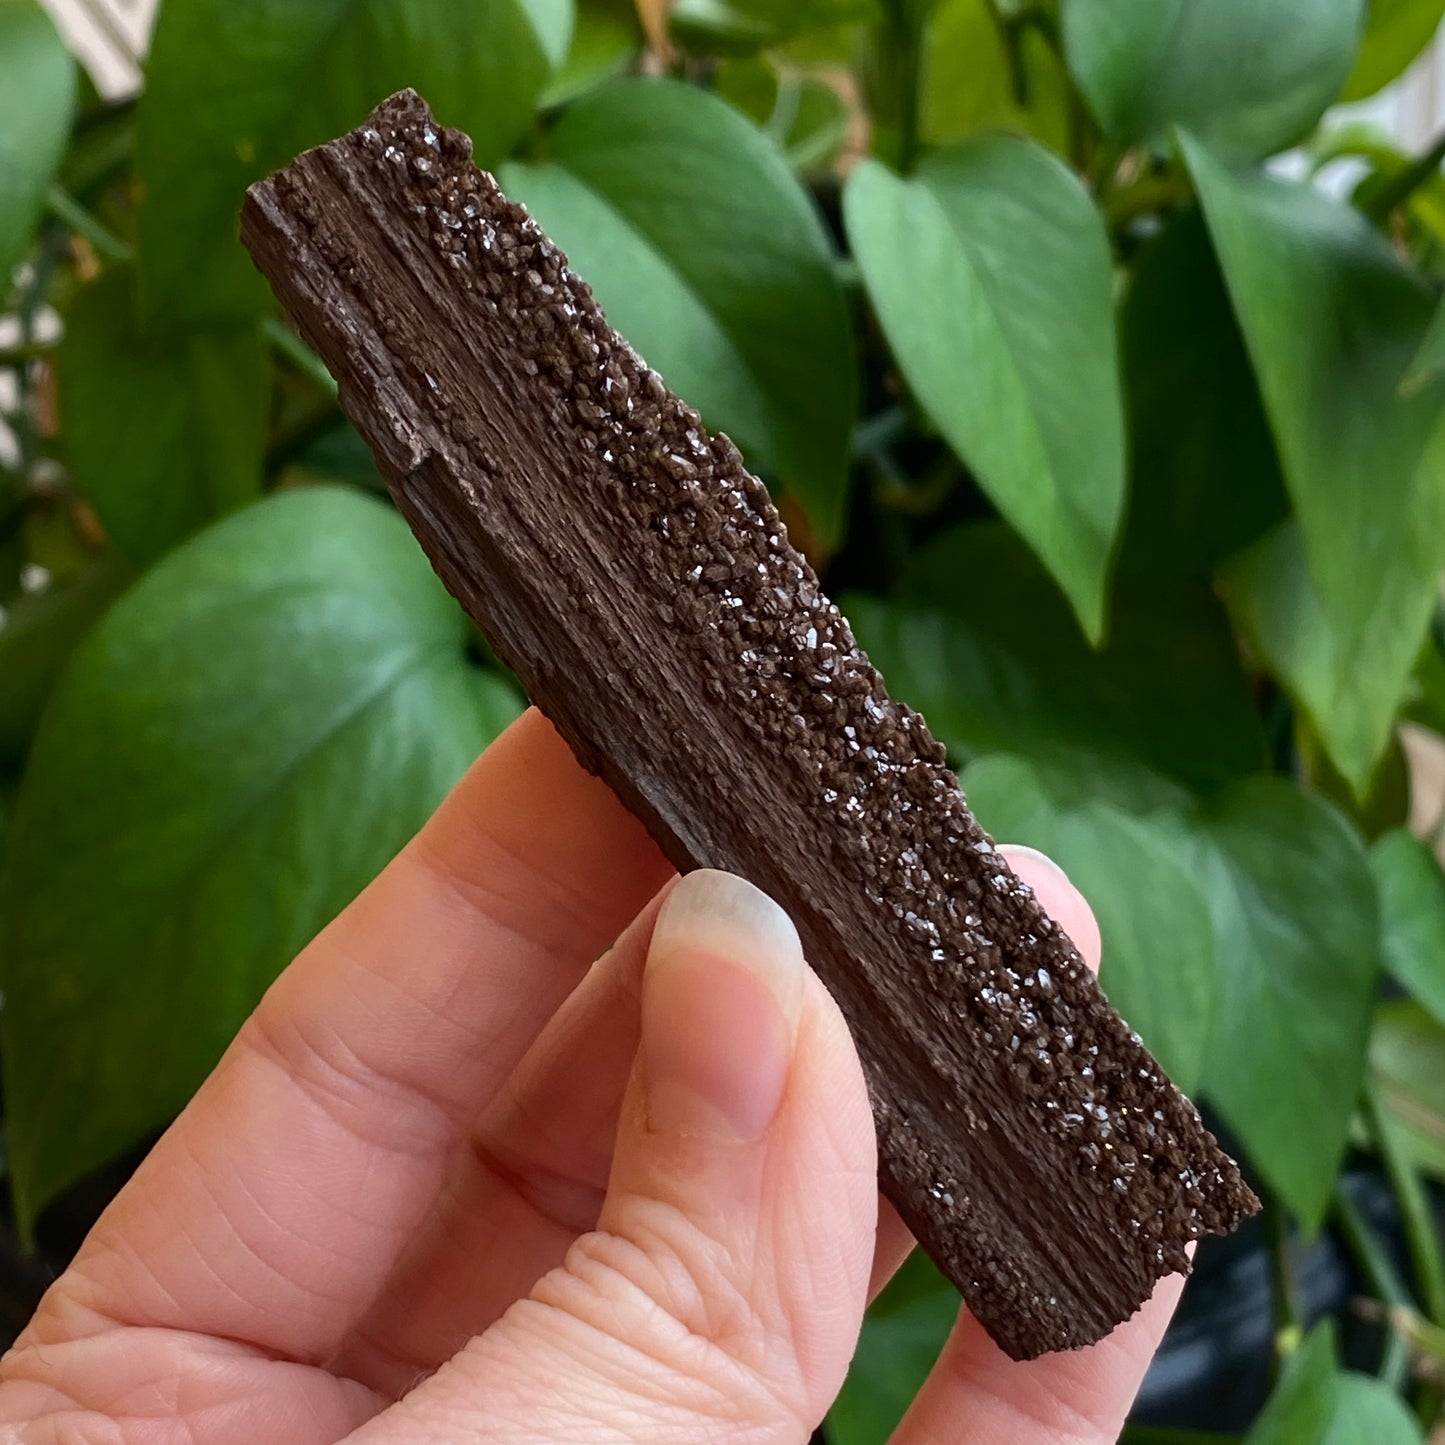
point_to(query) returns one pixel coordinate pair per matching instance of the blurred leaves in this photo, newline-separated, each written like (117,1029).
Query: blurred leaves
(606,36)
(1333,322)
(1396,32)
(1248,77)
(1205,476)
(977,75)
(40,631)
(985,647)
(207,810)
(901,1339)
(740,26)
(1412,910)
(708,256)
(235,88)
(1317,1403)
(37,92)
(162,436)
(991,276)
(1407,1059)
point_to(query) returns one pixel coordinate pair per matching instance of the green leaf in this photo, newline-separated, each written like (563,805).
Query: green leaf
(196,781)
(1297,939)
(1333,321)
(1158,961)
(162,436)
(1412,909)
(1299,1410)
(1247,76)
(1429,364)
(1368,1412)
(1206,477)
(39,632)
(991,276)
(553,22)
(967,86)
(605,36)
(1352,697)
(987,649)
(1316,1403)
(235,88)
(1407,1059)
(37,94)
(1395,35)
(708,256)
(896,1350)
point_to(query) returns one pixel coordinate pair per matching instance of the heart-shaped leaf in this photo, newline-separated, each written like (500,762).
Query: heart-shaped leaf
(1333,321)
(241,744)
(235,88)
(1248,76)
(707,254)
(991,275)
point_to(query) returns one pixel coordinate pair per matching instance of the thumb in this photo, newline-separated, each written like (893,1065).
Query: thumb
(721,1295)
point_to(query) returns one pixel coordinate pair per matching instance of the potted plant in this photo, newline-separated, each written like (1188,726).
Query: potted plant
(1121,438)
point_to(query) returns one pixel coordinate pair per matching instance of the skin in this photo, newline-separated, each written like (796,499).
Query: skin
(453,1181)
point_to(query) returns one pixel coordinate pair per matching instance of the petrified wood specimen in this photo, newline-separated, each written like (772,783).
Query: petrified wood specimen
(635,575)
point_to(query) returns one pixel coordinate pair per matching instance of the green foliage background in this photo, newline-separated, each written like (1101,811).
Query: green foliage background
(1126,452)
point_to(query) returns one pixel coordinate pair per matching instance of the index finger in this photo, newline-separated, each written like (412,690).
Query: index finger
(273,1209)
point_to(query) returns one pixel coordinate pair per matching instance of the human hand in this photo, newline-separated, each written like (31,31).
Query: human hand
(451,1183)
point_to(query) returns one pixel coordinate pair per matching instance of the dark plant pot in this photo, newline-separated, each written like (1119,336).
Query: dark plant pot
(1214,1369)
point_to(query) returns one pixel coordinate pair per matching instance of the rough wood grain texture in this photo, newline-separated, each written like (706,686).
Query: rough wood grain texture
(635,575)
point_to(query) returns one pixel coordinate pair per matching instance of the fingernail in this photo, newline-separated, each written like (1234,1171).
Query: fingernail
(721,1000)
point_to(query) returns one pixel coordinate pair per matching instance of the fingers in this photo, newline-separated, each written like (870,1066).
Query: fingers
(721,1294)
(533,1173)
(976,1393)
(274,1209)
(1063,903)
(537,1167)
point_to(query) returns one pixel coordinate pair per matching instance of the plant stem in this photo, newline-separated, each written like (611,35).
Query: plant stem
(1399,188)
(67,210)
(1379,1271)
(905,35)
(296,351)
(1421,1235)
(1010,34)
(1428,1404)
(1287,1322)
